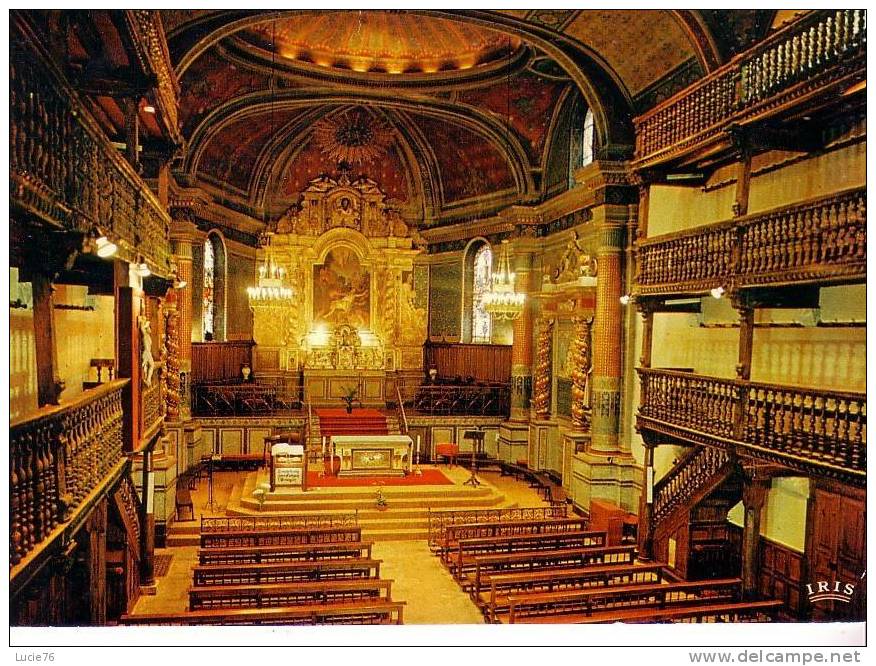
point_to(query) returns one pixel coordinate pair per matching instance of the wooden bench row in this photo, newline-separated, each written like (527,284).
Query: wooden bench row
(285,572)
(497,589)
(292,553)
(280,537)
(382,612)
(570,607)
(453,534)
(470,551)
(489,565)
(290,594)
(739,611)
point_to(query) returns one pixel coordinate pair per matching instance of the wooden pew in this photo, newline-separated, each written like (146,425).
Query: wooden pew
(365,590)
(385,612)
(454,533)
(570,607)
(468,549)
(280,537)
(303,552)
(496,589)
(488,565)
(284,572)
(741,611)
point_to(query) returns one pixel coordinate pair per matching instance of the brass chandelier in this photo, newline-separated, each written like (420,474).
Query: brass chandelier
(271,287)
(502,301)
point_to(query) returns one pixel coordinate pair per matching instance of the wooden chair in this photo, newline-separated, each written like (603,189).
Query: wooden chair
(448,451)
(184,486)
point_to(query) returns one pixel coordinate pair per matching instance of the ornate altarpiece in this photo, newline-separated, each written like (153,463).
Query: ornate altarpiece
(353,317)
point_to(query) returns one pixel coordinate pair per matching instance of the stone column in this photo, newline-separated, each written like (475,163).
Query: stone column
(608,329)
(753,497)
(541,397)
(183,236)
(521,351)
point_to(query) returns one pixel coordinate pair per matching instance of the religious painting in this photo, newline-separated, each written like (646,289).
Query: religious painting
(342,290)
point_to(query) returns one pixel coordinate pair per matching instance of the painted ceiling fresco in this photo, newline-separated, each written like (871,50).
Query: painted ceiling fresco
(641,45)
(389,172)
(210,81)
(393,42)
(529,101)
(469,164)
(229,158)
(416,68)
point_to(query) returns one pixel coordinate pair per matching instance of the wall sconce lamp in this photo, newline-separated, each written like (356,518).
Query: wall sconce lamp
(626,299)
(142,269)
(717,292)
(104,247)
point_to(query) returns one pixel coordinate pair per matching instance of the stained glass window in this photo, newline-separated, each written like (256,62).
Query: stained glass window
(481,322)
(209,310)
(587,139)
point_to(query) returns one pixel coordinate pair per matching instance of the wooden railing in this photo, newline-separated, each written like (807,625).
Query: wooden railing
(686,479)
(813,430)
(691,401)
(827,427)
(795,63)
(58,456)
(820,239)
(63,169)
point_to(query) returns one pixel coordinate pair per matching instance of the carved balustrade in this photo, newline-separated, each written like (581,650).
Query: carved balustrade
(58,456)
(803,428)
(793,64)
(820,239)
(808,425)
(693,402)
(64,170)
(684,480)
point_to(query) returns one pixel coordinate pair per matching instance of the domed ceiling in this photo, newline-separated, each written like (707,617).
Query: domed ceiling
(453,113)
(389,42)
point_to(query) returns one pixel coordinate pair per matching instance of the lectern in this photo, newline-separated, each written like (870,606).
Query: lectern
(288,461)
(477,447)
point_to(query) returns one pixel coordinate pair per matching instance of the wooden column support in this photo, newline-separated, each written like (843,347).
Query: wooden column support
(753,497)
(646,507)
(49,384)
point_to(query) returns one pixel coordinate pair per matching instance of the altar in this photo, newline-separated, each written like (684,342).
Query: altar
(373,455)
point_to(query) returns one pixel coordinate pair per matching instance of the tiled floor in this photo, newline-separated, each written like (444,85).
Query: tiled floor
(419,579)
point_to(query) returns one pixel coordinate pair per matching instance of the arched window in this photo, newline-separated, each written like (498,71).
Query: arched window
(481,321)
(208,316)
(587,139)
(213,289)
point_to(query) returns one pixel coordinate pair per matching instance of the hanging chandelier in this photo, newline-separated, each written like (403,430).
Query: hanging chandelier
(502,301)
(271,287)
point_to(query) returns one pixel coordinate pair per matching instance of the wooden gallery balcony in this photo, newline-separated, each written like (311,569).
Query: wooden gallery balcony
(810,430)
(811,63)
(62,459)
(821,240)
(63,170)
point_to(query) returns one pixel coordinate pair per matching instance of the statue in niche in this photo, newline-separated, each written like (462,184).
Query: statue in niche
(345,213)
(147,362)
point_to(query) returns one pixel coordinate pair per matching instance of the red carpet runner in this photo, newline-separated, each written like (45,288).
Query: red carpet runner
(430,477)
(360,422)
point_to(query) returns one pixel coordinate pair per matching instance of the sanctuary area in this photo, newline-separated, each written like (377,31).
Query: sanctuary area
(437,316)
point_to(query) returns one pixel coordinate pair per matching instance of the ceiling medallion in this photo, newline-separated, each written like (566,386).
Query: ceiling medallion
(353,138)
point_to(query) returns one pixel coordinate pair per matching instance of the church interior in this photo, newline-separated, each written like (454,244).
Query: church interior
(437,316)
